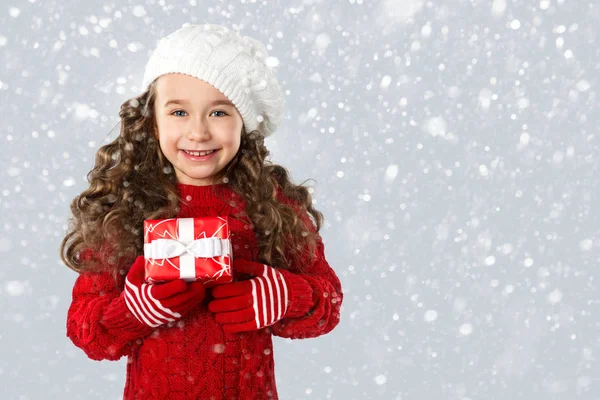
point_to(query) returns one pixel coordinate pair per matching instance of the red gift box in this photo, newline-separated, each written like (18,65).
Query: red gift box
(192,249)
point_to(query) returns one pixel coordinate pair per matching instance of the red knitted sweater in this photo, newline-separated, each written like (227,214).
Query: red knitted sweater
(193,358)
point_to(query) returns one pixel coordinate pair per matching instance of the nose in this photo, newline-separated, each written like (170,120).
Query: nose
(198,129)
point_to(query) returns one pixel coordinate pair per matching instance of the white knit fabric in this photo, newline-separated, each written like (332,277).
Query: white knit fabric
(233,64)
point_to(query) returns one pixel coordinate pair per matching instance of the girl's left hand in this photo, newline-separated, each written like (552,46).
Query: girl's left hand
(251,304)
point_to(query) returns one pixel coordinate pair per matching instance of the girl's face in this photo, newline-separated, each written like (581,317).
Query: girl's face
(193,115)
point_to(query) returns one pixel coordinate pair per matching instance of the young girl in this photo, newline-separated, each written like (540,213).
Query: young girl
(192,145)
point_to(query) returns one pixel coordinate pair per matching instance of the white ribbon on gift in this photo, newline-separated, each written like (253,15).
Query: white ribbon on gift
(187,248)
(168,248)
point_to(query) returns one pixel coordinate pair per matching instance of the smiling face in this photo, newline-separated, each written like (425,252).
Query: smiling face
(193,115)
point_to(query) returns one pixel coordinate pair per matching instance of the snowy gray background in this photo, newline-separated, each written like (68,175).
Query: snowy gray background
(454,145)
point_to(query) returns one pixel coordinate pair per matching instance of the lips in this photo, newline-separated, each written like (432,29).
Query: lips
(200,157)
(199,150)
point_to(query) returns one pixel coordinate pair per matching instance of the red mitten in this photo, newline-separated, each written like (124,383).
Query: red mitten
(159,303)
(251,304)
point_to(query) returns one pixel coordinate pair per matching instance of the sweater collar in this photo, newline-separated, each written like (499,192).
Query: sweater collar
(209,195)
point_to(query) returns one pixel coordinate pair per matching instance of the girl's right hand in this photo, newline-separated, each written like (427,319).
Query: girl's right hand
(159,303)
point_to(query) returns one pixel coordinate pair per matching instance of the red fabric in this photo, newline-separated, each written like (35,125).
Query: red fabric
(194,358)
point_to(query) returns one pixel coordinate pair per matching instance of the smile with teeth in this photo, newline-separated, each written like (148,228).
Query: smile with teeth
(199,153)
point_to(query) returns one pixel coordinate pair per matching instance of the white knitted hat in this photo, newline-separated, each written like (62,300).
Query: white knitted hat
(233,64)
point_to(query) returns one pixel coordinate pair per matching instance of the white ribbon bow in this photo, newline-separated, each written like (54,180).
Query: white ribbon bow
(168,248)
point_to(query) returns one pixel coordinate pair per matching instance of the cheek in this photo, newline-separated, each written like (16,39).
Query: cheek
(234,144)
(232,141)
(163,125)
(166,130)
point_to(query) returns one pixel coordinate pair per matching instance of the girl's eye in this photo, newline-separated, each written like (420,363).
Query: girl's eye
(176,111)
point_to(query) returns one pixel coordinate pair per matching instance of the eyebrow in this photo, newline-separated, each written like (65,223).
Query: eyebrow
(214,103)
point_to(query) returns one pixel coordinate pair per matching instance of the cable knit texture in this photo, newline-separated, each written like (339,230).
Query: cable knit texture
(193,358)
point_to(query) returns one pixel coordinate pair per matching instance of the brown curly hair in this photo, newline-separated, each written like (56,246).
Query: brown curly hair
(133,181)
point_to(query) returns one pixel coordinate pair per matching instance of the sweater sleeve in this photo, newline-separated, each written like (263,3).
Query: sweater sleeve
(98,320)
(316,300)
(315,295)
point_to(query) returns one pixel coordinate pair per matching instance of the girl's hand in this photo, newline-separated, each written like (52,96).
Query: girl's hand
(159,303)
(251,304)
